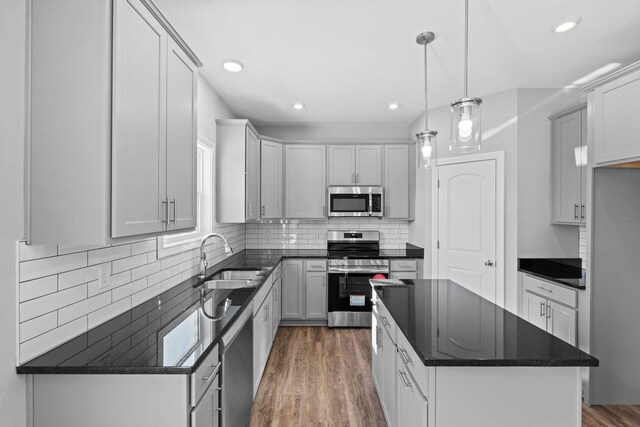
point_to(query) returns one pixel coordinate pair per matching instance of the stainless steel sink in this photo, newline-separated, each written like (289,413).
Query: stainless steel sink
(228,284)
(237,274)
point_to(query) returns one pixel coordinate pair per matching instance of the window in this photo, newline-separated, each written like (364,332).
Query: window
(175,243)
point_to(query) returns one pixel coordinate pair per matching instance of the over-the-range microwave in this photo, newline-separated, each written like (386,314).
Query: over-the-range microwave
(355,201)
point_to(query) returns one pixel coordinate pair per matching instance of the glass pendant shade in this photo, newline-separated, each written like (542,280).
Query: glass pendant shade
(427,146)
(465,125)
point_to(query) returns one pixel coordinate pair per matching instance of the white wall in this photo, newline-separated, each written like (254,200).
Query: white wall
(537,237)
(515,122)
(12,95)
(210,107)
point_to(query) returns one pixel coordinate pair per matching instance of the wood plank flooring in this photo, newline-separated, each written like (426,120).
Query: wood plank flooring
(318,377)
(322,377)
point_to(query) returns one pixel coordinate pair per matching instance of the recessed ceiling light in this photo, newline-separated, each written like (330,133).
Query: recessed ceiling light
(232,65)
(394,106)
(298,105)
(566,25)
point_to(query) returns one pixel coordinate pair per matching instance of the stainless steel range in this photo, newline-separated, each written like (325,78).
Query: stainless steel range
(353,260)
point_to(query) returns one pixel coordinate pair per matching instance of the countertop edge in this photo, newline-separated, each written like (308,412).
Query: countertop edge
(556,280)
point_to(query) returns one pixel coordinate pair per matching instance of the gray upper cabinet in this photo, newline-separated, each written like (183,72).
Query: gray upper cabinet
(271,183)
(615,131)
(355,165)
(396,181)
(153,169)
(237,171)
(114,136)
(305,188)
(568,166)
(182,86)
(316,295)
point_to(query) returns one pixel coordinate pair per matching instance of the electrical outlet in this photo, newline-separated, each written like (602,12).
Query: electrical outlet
(103,276)
(314,233)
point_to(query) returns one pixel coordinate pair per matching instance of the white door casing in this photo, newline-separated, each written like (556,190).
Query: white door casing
(468,223)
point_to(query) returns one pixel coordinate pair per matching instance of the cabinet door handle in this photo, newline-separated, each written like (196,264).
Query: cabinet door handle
(581,211)
(357,177)
(542,309)
(263,210)
(575,211)
(165,206)
(353,178)
(173,202)
(378,339)
(548,311)
(405,380)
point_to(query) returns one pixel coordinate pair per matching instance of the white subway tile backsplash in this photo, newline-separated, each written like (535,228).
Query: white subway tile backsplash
(128,289)
(142,247)
(31,252)
(47,266)
(129,263)
(145,270)
(38,326)
(82,308)
(37,288)
(77,277)
(109,312)
(45,304)
(99,256)
(42,343)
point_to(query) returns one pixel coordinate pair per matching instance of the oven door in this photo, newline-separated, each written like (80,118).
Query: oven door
(350,292)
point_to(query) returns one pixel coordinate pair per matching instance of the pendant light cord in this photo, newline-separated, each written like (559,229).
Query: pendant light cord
(466,46)
(426,106)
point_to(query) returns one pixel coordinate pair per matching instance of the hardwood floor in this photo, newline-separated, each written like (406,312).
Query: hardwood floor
(611,416)
(322,377)
(318,377)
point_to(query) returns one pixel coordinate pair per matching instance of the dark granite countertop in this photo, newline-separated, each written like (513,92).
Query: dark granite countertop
(565,271)
(448,325)
(168,334)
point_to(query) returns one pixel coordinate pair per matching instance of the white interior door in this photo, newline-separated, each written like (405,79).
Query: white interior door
(467,226)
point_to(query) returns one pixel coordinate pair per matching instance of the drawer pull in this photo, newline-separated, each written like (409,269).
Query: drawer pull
(405,356)
(213,373)
(404,378)
(545,289)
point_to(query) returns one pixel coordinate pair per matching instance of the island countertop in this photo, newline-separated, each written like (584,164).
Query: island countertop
(448,325)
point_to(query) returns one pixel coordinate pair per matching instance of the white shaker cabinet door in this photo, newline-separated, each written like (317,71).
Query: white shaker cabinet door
(412,407)
(305,181)
(389,397)
(138,122)
(271,183)
(534,309)
(252,175)
(316,295)
(292,290)
(342,165)
(566,173)
(396,181)
(181,138)
(369,164)
(562,322)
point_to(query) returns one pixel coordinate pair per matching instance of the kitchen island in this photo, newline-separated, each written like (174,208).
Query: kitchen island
(444,356)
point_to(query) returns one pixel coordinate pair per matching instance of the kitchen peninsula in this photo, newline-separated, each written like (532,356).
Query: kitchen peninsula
(444,356)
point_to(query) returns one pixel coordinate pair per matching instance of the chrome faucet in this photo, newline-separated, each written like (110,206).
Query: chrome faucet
(203,255)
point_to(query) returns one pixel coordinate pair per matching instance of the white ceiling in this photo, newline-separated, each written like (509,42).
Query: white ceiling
(347,59)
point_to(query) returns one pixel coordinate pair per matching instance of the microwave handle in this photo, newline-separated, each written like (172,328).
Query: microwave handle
(370,204)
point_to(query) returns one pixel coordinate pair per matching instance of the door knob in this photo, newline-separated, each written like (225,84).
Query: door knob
(488,263)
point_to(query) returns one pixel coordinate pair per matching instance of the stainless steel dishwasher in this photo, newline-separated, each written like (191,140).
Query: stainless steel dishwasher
(237,371)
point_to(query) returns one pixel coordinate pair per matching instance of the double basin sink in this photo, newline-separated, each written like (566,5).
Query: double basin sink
(234,279)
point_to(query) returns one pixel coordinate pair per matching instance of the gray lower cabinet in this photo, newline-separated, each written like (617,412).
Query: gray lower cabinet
(316,295)
(292,289)
(304,290)
(412,408)
(389,378)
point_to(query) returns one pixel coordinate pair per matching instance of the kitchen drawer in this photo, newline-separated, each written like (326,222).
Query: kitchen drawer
(410,359)
(387,321)
(550,290)
(403,265)
(204,375)
(316,265)
(403,275)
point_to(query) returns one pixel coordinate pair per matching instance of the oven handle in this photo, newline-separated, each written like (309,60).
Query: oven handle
(358,270)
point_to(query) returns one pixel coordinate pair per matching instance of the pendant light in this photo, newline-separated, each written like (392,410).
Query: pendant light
(427,139)
(465,112)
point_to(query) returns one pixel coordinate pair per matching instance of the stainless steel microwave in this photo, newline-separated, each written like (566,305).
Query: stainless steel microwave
(355,201)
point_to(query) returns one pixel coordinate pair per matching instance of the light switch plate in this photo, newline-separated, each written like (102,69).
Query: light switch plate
(104,276)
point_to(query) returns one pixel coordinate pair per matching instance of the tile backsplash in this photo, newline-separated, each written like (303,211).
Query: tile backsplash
(312,234)
(59,294)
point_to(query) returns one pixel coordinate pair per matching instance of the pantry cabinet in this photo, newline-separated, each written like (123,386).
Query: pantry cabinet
(355,164)
(237,171)
(119,138)
(569,166)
